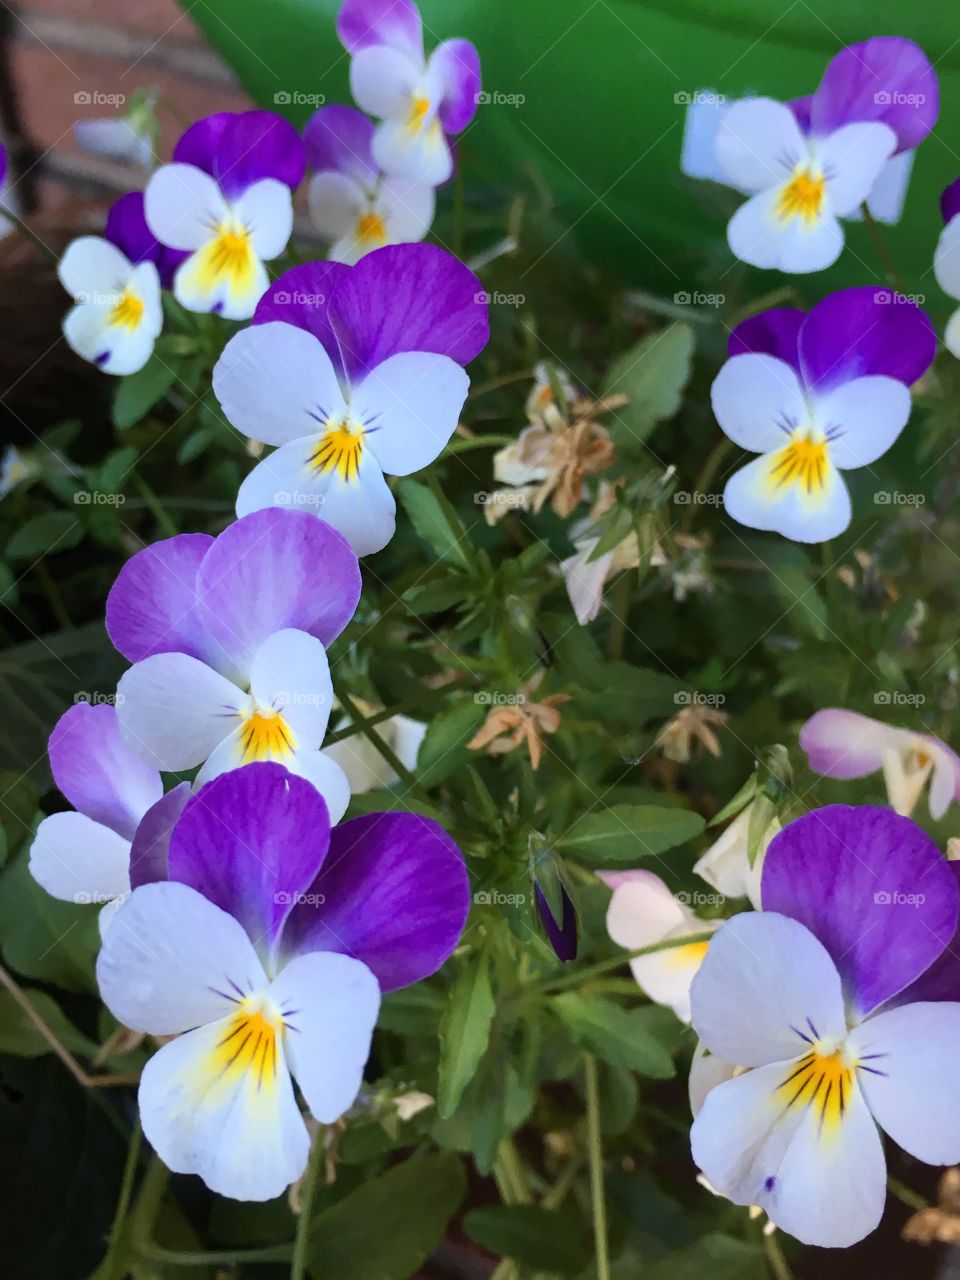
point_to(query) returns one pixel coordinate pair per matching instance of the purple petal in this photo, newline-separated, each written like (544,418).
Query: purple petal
(241,148)
(872,887)
(801,110)
(950,200)
(150,849)
(771,333)
(844,744)
(863,331)
(408,297)
(393,892)
(97,771)
(888,79)
(151,607)
(127,229)
(272,570)
(459,64)
(339,138)
(392,22)
(563,935)
(301,297)
(251,841)
(942,980)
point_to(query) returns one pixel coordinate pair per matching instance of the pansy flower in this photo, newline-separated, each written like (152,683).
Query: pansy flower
(227,636)
(115,281)
(843,744)
(84,855)
(807,164)
(420,101)
(726,864)
(816,394)
(263,946)
(946,260)
(226,200)
(130,139)
(839,1000)
(354,372)
(644,911)
(352,204)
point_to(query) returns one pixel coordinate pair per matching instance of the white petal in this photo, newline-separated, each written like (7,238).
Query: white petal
(862,419)
(410,405)
(766,988)
(756,234)
(946,781)
(266,210)
(758,401)
(753,498)
(284,478)
(421,155)
(92,267)
(113,348)
(176,710)
(382,80)
(951,336)
(327,776)
(115,139)
(276,383)
(759,143)
(824,1184)
(245,1138)
(198,286)
(946,259)
(79,860)
(335,1000)
(851,159)
(407,208)
(643,911)
(182,204)
(585,579)
(172,960)
(363,510)
(907,1070)
(291,674)
(336,204)
(706,1072)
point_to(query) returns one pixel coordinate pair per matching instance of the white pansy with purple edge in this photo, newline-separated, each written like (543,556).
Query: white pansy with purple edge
(844,744)
(115,281)
(227,636)
(420,101)
(226,201)
(817,394)
(83,856)
(809,163)
(352,203)
(839,1002)
(263,942)
(644,911)
(946,260)
(354,373)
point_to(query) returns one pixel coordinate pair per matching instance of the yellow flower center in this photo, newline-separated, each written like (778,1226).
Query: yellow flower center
(802,197)
(128,311)
(419,108)
(265,735)
(803,461)
(824,1081)
(372,228)
(231,253)
(339,449)
(248,1044)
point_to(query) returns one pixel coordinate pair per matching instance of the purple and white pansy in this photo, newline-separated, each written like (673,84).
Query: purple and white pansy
(227,636)
(839,1003)
(353,204)
(946,260)
(808,163)
(419,101)
(815,394)
(354,373)
(844,744)
(226,201)
(115,281)
(263,946)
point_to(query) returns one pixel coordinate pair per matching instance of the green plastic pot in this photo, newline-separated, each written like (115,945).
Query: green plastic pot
(600,122)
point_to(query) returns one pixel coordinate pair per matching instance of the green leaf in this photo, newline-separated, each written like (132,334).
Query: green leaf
(137,393)
(464,1033)
(433,523)
(45,535)
(716,1256)
(626,832)
(444,748)
(653,374)
(541,1239)
(805,607)
(435,596)
(387,1228)
(19,1035)
(42,937)
(613,1033)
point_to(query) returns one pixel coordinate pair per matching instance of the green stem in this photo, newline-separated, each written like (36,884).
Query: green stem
(463,444)
(52,592)
(913,1199)
(298,1267)
(778,1263)
(605,966)
(365,726)
(595,1148)
(511,1173)
(30,234)
(707,475)
(214,1258)
(163,520)
(880,246)
(126,1186)
(418,703)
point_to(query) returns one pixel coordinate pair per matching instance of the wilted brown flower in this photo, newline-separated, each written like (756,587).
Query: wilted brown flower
(692,724)
(518,720)
(940,1224)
